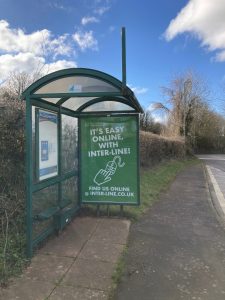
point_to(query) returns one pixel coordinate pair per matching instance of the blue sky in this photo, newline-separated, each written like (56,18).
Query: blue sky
(164,39)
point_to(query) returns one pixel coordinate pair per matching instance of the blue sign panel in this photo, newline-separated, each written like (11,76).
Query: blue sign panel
(44,150)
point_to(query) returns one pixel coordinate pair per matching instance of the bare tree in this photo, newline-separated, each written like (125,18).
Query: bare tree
(17,82)
(189,114)
(147,123)
(185,94)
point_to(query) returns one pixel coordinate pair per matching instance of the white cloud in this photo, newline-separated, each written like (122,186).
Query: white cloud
(39,50)
(101,10)
(22,62)
(162,119)
(40,42)
(88,20)
(138,90)
(85,40)
(159,116)
(61,46)
(15,40)
(205,19)
(220,56)
(29,63)
(58,65)
(57,5)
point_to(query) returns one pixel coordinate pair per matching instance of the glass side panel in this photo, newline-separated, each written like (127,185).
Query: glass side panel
(108,106)
(48,144)
(43,203)
(75,103)
(76,84)
(69,154)
(33,144)
(70,192)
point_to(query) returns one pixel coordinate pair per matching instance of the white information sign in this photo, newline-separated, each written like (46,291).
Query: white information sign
(48,145)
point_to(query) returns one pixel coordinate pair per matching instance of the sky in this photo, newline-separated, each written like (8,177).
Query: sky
(163,40)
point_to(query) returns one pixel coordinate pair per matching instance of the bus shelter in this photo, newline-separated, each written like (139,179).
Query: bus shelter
(82,141)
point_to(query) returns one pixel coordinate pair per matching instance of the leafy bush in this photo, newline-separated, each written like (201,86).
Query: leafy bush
(12,189)
(155,148)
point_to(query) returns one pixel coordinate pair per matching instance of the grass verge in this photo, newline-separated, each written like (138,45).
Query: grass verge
(152,182)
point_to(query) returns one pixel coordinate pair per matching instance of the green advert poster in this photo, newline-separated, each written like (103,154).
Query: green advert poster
(109,160)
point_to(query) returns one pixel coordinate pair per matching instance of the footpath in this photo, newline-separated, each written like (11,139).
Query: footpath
(177,250)
(77,265)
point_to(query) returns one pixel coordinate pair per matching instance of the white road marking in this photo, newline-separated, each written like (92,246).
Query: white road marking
(203,158)
(218,192)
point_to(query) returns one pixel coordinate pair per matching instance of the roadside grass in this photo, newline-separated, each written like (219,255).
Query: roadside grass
(156,180)
(153,181)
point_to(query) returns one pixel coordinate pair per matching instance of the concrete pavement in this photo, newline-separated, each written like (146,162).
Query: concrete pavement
(177,250)
(77,265)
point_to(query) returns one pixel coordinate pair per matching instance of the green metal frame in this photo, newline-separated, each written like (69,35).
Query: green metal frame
(29,175)
(124,72)
(123,91)
(103,99)
(124,95)
(36,137)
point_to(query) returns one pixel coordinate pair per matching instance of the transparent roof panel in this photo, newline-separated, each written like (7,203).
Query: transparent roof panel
(76,84)
(51,100)
(75,102)
(108,106)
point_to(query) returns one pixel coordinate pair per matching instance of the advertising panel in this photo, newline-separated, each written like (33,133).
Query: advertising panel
(109,160)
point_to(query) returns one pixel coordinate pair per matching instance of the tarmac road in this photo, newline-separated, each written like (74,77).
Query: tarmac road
(177,250)
(214,160)
(215,167)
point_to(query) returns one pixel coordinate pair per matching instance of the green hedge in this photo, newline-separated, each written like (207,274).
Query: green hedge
(155,148)
(12,190)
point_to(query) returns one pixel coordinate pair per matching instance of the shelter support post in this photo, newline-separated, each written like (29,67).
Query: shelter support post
(124,76)
(29,173)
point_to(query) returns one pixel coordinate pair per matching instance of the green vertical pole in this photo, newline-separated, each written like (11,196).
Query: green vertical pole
(79,162)
(29,174)
(138,157)
(121,210)
(36,147)
(124,76)
(59,156)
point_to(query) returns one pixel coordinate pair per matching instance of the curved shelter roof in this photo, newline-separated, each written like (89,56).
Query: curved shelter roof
(82,90)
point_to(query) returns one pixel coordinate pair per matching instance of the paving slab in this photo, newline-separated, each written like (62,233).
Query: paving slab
(48,268)
(89,273)
(102,250)
(26,289)
(72,293)
(72,239)
(112,230)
